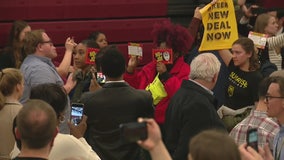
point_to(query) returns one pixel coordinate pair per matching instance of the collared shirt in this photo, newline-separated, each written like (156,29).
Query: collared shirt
(202,86)
(38,70)
(266,128)
(278,145)
(115,81)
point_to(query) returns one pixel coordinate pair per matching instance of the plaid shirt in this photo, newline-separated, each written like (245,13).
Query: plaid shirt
(266,128)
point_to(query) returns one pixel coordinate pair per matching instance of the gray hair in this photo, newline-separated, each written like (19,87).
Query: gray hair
(204,67)
(279,73)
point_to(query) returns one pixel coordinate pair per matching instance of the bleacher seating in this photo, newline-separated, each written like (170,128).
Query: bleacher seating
(122,21)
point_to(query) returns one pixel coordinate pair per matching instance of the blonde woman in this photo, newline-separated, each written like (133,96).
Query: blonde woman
(11,89)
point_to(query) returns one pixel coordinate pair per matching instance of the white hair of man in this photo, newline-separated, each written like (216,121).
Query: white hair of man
(204,67)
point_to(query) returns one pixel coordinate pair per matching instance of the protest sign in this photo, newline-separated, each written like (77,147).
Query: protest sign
(220,27)
(91,55)
(163,55)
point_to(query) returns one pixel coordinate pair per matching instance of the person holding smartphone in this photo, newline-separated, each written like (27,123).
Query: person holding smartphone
(65,146)
(267,127)
(248,153)
(224,148)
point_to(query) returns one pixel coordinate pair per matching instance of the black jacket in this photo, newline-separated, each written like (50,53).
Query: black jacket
(191,110)
(108,107)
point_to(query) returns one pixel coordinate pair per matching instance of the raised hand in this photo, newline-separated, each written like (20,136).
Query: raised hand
(70,44)
(79,130)
(132,64)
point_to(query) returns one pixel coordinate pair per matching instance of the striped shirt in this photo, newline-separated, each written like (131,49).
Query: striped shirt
(275,43)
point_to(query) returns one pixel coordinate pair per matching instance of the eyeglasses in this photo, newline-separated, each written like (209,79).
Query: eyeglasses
(49,42)
(267,98)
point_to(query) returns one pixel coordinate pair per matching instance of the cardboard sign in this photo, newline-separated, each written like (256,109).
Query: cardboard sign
(258,39)
(135,49)
(163,55)
(91,55)
(220,26)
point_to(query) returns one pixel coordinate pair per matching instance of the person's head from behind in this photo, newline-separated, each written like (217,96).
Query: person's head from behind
(37,42)
(263,87)
(168,35)
(11,82)
(18,32)
(206,67)
(112,63)
(266,23)
(36,125)
(80,51)
(280,17)
(52,94)
(279,73)
(100,38)
(275,98)
(244,54)
(213,145)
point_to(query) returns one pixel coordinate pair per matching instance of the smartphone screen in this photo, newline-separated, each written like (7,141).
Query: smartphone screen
(76,113)
(133,131)
(252,138)
(101,78)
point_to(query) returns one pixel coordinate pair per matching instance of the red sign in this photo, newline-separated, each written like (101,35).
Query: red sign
(91,55)
(163,55)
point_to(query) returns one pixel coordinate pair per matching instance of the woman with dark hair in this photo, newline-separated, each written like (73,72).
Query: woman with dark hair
(244,77)
(12,55)
(83,73)
(99,37)
(244,74)
(166,35)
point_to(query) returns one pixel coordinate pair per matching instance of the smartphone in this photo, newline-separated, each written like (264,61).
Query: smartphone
(101,78)
(76,113)
(252,138)
(133,131)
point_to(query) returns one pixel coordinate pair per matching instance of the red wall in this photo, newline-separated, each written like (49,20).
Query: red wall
(122,21)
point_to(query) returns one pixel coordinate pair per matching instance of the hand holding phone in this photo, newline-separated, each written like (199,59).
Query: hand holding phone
(101,78)
(79,130)
(133,131)
(76,113)
(252,138)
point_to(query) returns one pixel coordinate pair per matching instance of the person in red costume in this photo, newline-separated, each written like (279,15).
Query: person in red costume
(180,40)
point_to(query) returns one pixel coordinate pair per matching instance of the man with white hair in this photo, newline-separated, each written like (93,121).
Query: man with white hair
(193,108)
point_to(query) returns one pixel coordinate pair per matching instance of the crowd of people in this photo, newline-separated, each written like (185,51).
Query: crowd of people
(176,101)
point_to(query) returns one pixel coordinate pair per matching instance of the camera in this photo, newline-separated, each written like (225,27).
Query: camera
(252,138)
(76,113)
(133,131)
